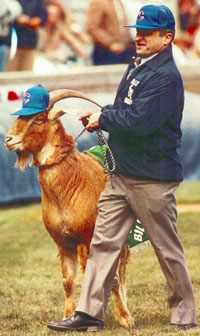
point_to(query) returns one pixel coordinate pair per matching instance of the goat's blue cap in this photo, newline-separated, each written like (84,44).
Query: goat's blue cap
(154,17)
(35,100)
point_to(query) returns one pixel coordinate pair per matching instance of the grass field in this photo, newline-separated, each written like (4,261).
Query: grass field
(188,192)
(31,292)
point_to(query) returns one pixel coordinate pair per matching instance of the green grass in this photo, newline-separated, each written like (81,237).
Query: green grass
(31,291)
(188,192)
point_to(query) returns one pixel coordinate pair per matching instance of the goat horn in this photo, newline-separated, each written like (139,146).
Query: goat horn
(55,96)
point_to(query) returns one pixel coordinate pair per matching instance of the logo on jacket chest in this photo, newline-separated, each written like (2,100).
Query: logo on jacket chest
(129,99)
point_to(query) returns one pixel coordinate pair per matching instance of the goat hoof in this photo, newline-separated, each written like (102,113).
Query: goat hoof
(126,321)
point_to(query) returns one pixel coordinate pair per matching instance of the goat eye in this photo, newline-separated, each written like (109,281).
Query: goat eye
(39,120)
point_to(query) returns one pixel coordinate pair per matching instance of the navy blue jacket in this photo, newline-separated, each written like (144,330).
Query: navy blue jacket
(144,121)
(27,38)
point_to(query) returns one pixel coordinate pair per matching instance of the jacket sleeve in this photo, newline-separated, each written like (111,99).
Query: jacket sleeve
(155,101)
(94,27)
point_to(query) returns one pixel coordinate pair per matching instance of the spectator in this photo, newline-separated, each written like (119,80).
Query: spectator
(188,9)
(112,42)
(8,11)
(61,30)
(26,25)
(194,51)
(188,13)
(78,8)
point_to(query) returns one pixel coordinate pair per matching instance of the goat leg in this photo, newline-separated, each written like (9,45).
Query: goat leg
(68,259)
(121,312)
(83,251)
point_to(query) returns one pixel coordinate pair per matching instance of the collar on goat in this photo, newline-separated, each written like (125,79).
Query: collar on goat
(53,164)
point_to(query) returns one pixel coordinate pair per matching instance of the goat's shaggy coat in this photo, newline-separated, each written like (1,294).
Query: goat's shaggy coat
(71,184)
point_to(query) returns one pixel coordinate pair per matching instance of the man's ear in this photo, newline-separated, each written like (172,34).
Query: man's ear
(168,38)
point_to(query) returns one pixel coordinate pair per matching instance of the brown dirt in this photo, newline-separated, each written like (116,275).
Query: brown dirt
(189,207)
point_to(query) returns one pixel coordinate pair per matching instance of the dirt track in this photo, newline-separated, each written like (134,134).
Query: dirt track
(190,207)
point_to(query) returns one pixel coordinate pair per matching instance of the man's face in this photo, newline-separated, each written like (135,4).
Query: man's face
(149,42)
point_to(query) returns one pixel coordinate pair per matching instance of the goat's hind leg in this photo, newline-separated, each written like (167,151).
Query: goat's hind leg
(121,312)
(68,259)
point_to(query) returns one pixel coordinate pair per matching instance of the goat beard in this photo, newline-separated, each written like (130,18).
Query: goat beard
(23,159)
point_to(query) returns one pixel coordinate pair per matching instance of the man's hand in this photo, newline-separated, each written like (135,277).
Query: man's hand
(117,47)
(34,23)
(93,119)
(23,19)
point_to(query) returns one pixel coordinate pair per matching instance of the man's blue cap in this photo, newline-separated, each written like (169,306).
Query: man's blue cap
(154,17)
(35,100)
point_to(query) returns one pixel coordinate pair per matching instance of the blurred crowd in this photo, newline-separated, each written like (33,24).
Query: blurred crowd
(41,35)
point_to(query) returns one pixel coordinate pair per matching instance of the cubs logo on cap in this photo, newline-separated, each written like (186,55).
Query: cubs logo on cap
(154,17)
(26,98)
(35,100)
(140,15)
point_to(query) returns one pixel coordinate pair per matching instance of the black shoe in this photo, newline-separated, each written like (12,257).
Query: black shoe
(183,326)
(78,321)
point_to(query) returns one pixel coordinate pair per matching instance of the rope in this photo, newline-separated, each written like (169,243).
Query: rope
(78,136)
(102,142)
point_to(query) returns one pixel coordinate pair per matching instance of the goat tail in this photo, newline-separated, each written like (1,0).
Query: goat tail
(56,95)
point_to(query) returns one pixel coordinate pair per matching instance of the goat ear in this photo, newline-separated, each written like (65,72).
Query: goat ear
(58,113)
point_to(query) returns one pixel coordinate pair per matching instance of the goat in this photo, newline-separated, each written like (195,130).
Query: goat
(69,194)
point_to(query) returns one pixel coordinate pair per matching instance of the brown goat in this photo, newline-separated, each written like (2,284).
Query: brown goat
(69,194)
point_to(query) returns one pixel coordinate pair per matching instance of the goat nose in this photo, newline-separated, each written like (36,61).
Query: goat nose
(7,139)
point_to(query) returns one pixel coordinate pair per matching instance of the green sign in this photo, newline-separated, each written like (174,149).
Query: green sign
(137,234)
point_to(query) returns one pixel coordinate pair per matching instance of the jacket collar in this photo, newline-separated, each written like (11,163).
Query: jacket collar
(160,58)
(153,64)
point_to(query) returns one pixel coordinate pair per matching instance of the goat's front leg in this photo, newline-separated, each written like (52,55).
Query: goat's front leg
(83,252)
(68,259)
(121,312)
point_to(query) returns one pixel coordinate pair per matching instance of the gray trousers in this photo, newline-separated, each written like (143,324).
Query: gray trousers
(154,204)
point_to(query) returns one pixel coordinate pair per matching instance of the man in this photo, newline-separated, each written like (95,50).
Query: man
(26,25)
(144,135)
(112,43)
(8,11)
